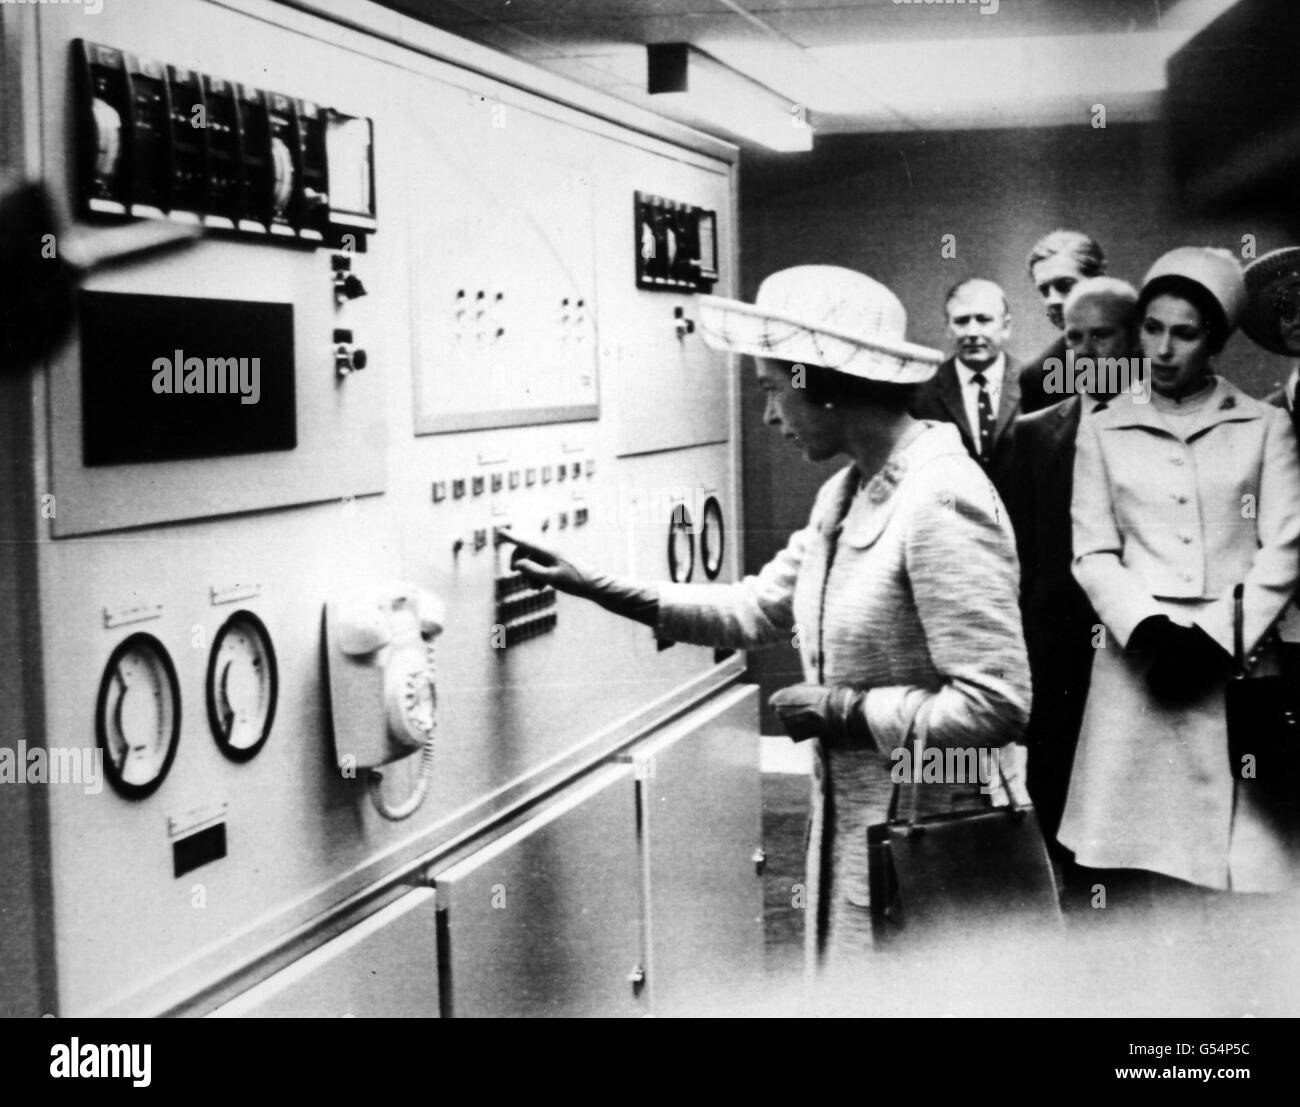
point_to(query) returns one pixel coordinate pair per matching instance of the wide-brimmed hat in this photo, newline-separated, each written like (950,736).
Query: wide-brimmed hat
(822,315)
(1267,280)
(1215,270)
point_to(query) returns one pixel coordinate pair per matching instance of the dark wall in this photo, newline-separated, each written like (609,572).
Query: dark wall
(882,204)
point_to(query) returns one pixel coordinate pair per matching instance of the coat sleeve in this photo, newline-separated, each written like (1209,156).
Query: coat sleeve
(961,566)
(1119,597)
(1273,575)
(750,614)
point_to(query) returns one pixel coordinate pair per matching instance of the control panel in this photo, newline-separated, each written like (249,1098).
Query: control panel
(166,141)
(266,475)
(676,245)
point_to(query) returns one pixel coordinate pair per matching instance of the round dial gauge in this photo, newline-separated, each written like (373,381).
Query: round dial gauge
(242,686)
(713,538)
(681,545)
(138,715)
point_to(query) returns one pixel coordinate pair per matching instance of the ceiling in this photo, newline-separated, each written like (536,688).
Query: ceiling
(862,65)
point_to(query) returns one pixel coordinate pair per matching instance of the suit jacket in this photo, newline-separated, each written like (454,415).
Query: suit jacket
(906,588)
(1033,396)
(1058,618)
(940,398)
(1159,518)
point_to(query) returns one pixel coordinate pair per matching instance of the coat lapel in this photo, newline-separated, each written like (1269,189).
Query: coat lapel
(948,388)
(1009,404)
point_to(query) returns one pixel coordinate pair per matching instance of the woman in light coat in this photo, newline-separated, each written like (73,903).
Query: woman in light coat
(901,592)
(1175,502)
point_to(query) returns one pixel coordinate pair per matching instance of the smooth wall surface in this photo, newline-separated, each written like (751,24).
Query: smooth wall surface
(882,204)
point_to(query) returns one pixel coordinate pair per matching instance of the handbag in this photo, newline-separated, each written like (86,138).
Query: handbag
(1263,714)
(947,877)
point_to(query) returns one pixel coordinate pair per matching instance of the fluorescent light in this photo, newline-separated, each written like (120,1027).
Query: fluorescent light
(701,90)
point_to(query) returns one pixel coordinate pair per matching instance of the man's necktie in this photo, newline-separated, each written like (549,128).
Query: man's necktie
(984,432)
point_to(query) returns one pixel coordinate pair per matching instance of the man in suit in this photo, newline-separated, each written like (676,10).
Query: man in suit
(977,388)
(1057,263)
(1100,321)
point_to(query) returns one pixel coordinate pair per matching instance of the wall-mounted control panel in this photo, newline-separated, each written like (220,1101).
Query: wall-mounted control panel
(676,245)
(165,141)
(262,482)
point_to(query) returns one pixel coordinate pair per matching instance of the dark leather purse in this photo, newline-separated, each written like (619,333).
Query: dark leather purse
(1263,714)
(954,877)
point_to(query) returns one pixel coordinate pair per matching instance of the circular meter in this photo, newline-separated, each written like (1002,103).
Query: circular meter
(138,715)
(713,538)
(242,686)
(681,545)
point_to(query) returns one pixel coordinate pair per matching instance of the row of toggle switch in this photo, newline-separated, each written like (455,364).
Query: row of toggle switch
(476,486)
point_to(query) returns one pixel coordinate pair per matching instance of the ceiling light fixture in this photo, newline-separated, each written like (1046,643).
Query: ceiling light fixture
(699,89)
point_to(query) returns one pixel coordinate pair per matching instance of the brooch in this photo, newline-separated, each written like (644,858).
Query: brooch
(882,485)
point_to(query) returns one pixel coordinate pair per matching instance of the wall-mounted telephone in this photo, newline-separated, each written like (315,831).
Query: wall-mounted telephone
(379,657)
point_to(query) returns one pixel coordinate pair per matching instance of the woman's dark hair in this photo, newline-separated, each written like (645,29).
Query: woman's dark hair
(1198,296)
(827,386)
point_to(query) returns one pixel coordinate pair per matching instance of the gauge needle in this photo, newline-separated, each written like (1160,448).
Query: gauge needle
(228,715)
(117,722)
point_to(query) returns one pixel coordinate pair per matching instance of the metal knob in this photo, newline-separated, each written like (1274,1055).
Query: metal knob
(684,326)
(637,979)
(759,857)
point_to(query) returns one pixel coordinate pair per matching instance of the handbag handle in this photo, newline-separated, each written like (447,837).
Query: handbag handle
(1238,619)
(1244,663)
(916,739)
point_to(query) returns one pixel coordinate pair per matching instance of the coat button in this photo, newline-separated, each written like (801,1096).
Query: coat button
(1187,577)
(1176,460)
(1185,539)
(1182,499)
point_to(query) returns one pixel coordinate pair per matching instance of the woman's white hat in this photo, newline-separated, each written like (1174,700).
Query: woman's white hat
(1215,270)
(822,315)
(1267,278)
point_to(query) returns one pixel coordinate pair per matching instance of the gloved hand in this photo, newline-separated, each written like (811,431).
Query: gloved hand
(1156,634)
(1007,770)
(542,565)
(1186,669)
(832,713)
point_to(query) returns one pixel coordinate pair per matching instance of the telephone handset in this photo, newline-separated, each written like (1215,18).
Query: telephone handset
(383,700)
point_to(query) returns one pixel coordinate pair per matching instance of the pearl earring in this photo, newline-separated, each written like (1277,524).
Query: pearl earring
(828,405)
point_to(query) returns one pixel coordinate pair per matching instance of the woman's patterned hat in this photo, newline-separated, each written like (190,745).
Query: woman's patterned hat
(822,315)
(1272,289)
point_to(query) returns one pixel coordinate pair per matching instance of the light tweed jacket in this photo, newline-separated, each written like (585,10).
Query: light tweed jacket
(914,597)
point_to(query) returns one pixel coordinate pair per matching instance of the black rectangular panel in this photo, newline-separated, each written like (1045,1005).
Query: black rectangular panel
(199,849)
(239,400)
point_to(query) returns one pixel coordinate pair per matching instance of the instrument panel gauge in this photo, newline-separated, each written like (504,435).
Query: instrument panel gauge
(242,686)
(713,538)
(138,715)
(681,545)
